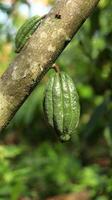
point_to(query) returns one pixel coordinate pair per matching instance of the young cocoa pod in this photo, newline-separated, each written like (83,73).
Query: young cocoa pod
(61,105)
(25,31)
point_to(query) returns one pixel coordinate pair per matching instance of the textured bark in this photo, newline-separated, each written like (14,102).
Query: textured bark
(35,59)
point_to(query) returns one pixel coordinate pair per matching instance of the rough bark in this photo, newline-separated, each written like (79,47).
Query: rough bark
(41,51)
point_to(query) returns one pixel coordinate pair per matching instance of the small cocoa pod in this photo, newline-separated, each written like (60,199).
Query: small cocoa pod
(25,31)
(61,105)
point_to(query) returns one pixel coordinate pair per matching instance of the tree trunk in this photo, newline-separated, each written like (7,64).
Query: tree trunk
(38,55)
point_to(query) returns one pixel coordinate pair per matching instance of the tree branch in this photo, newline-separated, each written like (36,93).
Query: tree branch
(43,48)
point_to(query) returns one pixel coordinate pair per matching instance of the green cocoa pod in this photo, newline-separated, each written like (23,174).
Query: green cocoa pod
(61,105)
(25,32)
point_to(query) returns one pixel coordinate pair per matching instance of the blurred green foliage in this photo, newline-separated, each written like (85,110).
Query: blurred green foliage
(33,163)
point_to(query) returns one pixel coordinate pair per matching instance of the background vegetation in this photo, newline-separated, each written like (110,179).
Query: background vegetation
(33,163)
